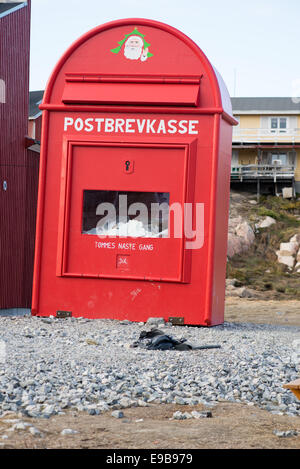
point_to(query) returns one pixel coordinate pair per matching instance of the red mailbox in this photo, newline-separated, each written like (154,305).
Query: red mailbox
(134,179)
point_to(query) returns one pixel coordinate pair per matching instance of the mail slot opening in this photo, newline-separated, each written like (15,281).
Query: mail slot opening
(143,91)
(126,213)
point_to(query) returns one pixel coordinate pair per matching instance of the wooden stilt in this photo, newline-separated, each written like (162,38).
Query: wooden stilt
(294,188)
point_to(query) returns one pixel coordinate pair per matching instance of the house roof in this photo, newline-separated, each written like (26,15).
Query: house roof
(276,105)
(35,99)
(5,7)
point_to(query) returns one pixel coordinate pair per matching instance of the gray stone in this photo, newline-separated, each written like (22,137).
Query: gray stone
(202,414)
(93,411)
(155,321)
(142,403)
(20,426)
(33,411)
(266,222)
(180,400)
(47,320)
(117,414)
(68,431)
(48,411)
(286,434)
(58,370)
(34,431)
(178,415)
(125,402)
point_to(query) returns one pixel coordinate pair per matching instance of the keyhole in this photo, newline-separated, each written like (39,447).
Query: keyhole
(127,164)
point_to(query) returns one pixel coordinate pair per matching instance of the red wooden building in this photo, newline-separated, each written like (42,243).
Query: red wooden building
(18,165)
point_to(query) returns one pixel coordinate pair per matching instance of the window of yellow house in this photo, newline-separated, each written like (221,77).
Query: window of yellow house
(278,124)
(279,159)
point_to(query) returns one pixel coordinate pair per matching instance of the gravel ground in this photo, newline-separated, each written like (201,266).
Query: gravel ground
(49,365)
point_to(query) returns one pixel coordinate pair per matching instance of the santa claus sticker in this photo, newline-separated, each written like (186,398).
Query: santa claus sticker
(135,46)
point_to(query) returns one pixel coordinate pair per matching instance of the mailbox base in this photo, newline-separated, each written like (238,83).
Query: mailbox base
(135,301)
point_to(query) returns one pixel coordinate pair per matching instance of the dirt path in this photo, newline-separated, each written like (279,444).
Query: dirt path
(232,425)
(283,312)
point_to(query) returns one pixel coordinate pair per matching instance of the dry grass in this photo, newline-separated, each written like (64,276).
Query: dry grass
(258,267)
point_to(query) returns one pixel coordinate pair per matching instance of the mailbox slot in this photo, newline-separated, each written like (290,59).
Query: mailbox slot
(148,218)
(137,91)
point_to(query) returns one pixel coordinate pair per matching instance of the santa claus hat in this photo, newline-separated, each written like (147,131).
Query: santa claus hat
(135,32)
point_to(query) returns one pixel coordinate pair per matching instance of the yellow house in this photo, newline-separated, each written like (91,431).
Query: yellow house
(266,143)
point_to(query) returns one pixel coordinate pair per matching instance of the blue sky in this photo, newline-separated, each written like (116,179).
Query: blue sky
(253,44)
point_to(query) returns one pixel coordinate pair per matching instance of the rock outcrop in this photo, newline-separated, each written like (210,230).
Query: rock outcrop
(240,236)
(289,253)
(265,223)
(234,288)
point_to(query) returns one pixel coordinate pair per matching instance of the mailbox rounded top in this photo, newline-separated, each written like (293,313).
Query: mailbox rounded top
(138,51)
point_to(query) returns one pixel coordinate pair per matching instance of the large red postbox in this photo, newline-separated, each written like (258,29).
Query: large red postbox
(134,179)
